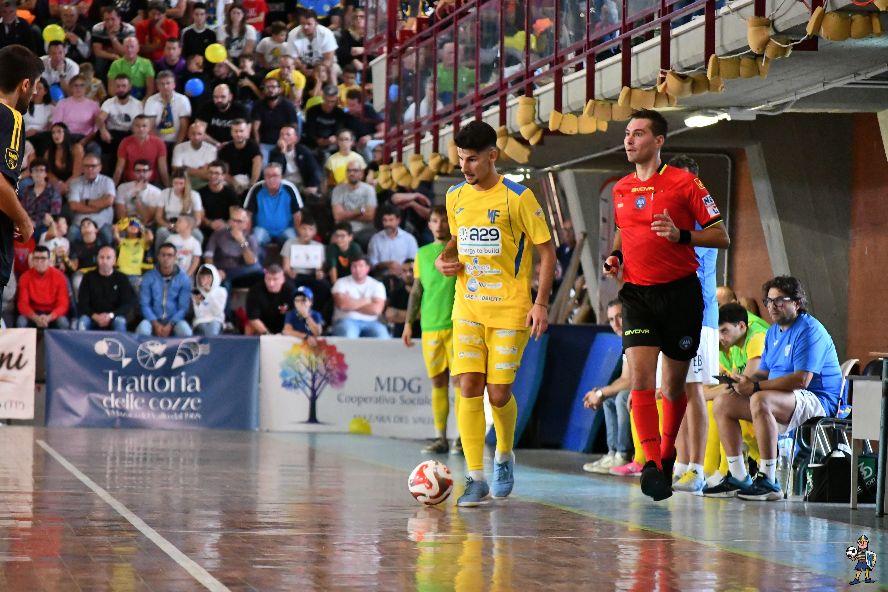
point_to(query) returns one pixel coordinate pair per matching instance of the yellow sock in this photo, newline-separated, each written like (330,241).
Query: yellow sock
(749,437)
(639,453)
(504,420)
(457,396)
(440,408)
(712,456)
(471,430)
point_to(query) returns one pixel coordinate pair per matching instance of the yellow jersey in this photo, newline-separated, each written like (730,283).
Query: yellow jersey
(495,231)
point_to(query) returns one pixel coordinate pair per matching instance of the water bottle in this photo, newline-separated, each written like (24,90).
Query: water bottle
(784,447)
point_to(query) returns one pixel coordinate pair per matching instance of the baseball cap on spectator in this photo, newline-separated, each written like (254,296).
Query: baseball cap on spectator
(330,90)
(305,291)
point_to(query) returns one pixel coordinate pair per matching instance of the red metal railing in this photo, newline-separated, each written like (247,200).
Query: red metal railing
(488,50)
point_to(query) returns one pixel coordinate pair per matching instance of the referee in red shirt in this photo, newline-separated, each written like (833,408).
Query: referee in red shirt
(656,209)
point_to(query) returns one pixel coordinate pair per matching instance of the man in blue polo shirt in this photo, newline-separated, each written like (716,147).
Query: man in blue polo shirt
(798,378)
(276,206)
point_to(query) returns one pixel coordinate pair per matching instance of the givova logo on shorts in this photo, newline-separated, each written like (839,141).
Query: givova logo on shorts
(479,240)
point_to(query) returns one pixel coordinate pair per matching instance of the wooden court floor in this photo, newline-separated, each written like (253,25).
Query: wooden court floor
(93,510)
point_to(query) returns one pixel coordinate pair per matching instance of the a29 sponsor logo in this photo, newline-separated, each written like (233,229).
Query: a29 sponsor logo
(480,240)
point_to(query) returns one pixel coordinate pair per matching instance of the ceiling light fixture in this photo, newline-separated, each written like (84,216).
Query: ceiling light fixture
(705,118)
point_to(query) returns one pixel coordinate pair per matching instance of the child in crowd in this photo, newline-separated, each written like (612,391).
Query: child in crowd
(303,321)
(84,252)
(209,299)
(337,163)
(134,254)
(54,239)
(310,277)
(95,90)
(188,249)
(349,82)
(341,251)
(271,48)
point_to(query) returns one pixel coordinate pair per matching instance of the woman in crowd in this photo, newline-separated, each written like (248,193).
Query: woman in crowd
(39,197)
(237,36)
(38,117)
(64,157)
(176,201)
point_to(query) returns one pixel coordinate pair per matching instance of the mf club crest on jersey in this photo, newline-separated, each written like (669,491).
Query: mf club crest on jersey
(492,215)
(12,158)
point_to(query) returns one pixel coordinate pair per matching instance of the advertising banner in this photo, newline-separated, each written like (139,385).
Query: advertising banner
(101,379)
(324,384)
(18,364)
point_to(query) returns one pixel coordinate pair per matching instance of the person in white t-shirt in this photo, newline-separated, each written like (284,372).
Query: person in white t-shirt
(137,198)
(358,301)
(313,44)
(57,69)
(188,249)
(271,48)
(175,201)
(169,110)
(195,155)
(115,119)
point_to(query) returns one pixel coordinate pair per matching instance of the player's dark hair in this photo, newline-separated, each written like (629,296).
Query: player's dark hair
(18,63)
(476,136)
(658,122)
(790,286)
(732,313)
(683,161)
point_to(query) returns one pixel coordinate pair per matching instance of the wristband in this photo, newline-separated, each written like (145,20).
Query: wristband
(756,387)
(618,254)
(684,237)
(546,306)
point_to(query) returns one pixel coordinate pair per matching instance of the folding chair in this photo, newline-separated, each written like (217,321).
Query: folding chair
(810,440)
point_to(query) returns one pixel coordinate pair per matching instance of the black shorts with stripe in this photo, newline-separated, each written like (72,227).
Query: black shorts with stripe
(668,316)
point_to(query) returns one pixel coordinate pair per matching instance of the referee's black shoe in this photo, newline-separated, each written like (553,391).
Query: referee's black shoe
(654,483)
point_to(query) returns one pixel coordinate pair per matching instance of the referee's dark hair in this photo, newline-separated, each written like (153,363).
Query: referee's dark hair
(476,136)
(790,286)
(732,313)
(18,63)
(683,161)
(658,122)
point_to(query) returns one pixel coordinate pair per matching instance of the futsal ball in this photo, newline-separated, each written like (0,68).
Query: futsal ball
(851,552)
(430,483)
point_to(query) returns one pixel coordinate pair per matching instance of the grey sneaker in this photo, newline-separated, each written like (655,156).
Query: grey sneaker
(438,446)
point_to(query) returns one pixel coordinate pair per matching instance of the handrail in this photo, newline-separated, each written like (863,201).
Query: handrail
(577,30)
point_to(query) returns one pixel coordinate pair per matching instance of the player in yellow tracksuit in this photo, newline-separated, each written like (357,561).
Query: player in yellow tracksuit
(494,224)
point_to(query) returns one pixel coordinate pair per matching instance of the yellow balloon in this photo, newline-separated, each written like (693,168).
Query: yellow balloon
(359,425)
(216,53)
(53,33)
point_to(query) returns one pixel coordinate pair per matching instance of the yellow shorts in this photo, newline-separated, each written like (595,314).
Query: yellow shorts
(437,351)
(487,350)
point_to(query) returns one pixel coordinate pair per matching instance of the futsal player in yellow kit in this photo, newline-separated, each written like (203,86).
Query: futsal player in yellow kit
(494,224)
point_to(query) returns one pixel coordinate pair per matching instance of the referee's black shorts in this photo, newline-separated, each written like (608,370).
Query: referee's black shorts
(668,316)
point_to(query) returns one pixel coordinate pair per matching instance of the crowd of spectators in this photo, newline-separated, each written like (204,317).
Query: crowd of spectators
(173,192)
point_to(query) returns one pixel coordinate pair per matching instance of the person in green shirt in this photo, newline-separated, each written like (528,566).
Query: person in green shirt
(449,89)
(139,70)
(431,299)
(342,251)
(741,337)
